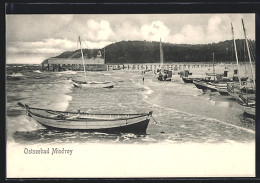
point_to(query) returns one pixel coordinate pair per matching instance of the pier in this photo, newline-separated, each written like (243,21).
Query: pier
(98,64)
(175,66)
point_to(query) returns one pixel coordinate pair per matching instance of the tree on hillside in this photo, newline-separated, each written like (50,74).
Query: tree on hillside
(148,52)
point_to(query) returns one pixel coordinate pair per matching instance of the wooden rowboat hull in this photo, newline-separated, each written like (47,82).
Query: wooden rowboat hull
(136,128)
(125,123)
(94,84)
(206,86)
(87,124)
(223,92)
(187,80)
(201,85)
(249,112)
(222,89)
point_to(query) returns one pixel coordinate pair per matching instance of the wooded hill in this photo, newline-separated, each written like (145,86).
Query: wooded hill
(149,52)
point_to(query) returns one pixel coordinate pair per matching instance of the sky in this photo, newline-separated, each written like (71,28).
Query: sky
(32,38)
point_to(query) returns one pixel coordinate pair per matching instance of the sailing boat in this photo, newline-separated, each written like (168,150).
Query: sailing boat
(208,84)
(164,75)
(247,99)
(90,84)
(212,74)
(234,90)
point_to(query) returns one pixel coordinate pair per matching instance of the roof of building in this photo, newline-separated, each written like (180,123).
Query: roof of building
(74,61)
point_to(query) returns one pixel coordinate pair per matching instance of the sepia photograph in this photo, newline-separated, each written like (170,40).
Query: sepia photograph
(130,95)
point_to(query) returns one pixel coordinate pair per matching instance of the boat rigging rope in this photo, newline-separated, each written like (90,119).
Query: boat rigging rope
(156,122)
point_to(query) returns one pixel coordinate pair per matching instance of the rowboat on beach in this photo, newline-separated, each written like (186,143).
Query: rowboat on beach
(223,91)
(110,123)
(205,85)
(187,80)
(248,103)
(250,112)
(190,80)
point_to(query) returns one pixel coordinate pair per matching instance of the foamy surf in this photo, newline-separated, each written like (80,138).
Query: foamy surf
(62,105)
(203,118)
(68,72)
(37,71)
(16,75)
(61,90)
(232,125)
(55,96)
(149,91)
(106,74)
(22,123)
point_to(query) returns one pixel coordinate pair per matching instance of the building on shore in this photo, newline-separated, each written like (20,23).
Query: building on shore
(63,64)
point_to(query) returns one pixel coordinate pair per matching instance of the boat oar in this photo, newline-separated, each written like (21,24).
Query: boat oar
(26,107)
(20,104)
(23,105)
(120,81)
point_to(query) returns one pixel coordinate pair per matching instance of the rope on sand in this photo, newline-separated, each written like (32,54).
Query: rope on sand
(156,122)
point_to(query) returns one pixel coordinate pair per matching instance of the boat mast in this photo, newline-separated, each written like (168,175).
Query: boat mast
(104,54)
(235,47)
(82,59)
(248,51)
(161,55)
(214,68)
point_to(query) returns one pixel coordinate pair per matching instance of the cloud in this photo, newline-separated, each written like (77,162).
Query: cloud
(25,59)
(37,51)
(189,34)
(214,31)
(94,45)
(128,30)
(99,31)
(50,35)
(236,20)
(155,31)
(35,27)
(213,23)
(46,46)
(217,28)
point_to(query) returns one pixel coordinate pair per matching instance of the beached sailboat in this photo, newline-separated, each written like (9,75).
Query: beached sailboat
(230,87)
(235,90)
(90,84)
(208,84)
(247,98)
(109,123)
(163,74)
(212,74)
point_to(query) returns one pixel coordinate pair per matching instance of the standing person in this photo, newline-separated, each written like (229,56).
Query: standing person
(143,79)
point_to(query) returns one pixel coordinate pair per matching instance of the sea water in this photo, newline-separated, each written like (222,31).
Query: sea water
(182,114)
